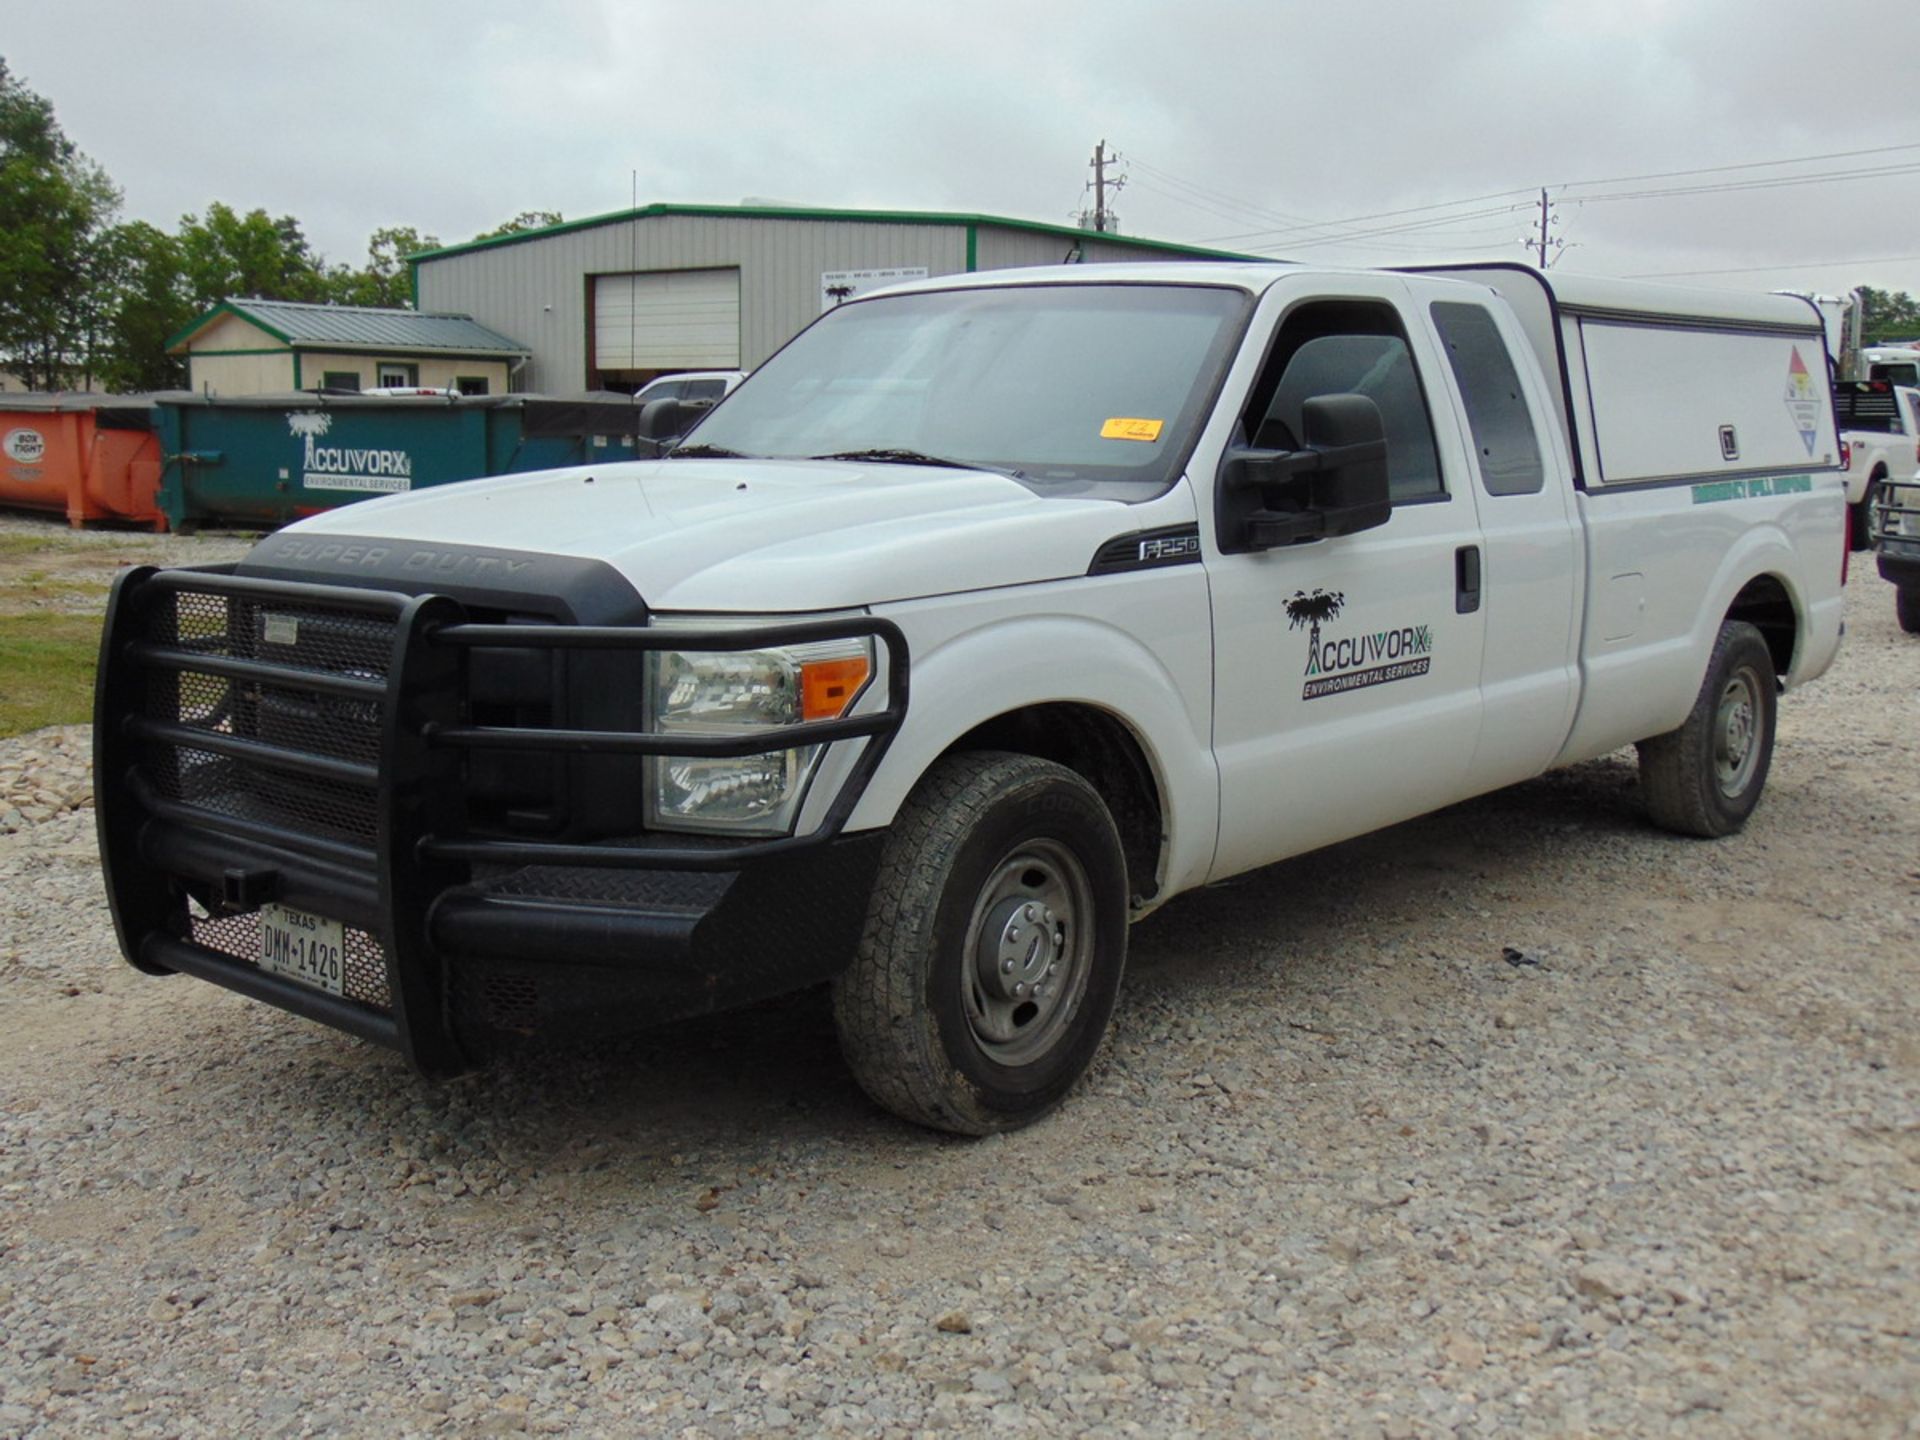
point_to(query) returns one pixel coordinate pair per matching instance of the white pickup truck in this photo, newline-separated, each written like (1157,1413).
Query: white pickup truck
(985,617)
(1897,538)
(1879,425)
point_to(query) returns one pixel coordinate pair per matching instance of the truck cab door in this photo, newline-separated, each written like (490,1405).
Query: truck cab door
(1347,668)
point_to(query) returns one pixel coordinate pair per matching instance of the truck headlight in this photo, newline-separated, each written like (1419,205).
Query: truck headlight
(744,692)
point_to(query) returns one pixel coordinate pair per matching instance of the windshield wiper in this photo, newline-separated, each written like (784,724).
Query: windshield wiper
(703,452)
(917,457)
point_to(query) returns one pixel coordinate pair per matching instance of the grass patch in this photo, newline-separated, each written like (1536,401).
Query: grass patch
(51,544)
(46,670)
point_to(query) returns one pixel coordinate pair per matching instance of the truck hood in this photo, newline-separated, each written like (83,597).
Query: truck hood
(763,536)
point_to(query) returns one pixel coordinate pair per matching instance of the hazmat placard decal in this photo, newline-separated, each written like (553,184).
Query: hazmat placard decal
(1803,401)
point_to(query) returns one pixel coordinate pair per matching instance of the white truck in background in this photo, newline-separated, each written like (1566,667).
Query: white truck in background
(988,615)
(1879,423)
(1897,539)
(1894,364)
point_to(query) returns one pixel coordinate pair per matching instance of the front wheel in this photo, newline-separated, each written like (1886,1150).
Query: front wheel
(1906,608)
(1706,777)
(1860,517)
(993,947)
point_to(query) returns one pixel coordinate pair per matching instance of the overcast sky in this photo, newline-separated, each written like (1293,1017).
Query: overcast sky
(1376,134)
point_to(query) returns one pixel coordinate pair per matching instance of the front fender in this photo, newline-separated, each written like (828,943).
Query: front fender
(1157,685)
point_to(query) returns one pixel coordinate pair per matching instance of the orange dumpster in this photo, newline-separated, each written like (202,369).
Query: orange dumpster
(88,457)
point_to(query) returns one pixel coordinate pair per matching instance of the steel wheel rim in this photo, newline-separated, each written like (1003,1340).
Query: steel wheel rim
(1029,952)
(1736,733)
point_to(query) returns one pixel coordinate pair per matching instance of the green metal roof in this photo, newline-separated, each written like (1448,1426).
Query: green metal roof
(301,326)
(870,217)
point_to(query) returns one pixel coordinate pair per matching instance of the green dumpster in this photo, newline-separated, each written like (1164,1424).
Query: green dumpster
(268,459)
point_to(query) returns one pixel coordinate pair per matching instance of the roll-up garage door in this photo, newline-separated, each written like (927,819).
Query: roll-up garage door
(667,320)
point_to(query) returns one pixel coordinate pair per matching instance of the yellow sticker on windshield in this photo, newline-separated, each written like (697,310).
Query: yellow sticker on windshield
(1125,429)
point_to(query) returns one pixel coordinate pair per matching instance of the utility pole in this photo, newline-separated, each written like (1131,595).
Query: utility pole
(1546,248)
(1100,186)
(1101,218)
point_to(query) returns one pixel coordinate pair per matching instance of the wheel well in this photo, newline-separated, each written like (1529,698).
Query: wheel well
(1764,604)
(1102,751)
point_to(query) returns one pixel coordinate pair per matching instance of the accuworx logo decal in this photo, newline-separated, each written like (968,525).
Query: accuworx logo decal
(342,467)
(1353,662)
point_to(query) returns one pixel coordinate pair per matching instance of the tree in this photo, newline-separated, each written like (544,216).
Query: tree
(386,280)
(145,304)
(228,255)
(1887,315)
(55,205)
(525,220)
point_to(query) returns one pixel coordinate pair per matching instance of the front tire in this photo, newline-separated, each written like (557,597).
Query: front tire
(1706,777)
(993,947)
(1906,608)
(1860,517)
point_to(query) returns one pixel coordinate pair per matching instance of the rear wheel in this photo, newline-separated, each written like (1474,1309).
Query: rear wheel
(1906,605)
(993,947)
(1706,777)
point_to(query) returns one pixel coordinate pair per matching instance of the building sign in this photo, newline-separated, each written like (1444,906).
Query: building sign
(347,467)
(839,286)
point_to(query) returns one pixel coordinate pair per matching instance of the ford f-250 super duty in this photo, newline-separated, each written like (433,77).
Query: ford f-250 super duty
(986,616)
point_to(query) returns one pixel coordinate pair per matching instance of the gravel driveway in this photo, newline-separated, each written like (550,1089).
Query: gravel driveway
(1520,1118)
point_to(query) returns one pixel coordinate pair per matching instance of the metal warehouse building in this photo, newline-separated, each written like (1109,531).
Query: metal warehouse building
(611,302)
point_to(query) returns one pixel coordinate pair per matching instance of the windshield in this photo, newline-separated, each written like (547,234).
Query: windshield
(1059,383)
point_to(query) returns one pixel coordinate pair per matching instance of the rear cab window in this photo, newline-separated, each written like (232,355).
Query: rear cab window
(1504,441)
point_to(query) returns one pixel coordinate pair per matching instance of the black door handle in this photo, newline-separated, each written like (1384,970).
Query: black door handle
(1466,579)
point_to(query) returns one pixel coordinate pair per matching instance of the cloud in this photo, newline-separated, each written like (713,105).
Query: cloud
(353,115)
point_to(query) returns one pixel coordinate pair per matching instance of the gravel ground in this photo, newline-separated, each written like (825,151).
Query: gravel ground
(1519,1118)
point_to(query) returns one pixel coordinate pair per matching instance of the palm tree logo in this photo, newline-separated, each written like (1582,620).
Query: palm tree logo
(1311,609)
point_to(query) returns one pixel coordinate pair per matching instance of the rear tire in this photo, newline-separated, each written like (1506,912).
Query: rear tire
(993,947)
(1906,606)
(1706,777)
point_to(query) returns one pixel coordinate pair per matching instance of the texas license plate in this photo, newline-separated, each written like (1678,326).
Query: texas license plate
(303,947)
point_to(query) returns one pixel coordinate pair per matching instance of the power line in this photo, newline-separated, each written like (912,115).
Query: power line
(1749,165)
(1280,232)
(1783,265)
(1781,182)
(1407,228)
(1219,197)
(1379,215)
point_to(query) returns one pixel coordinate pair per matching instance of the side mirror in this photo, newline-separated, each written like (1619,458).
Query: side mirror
(1335,485)
(670,419)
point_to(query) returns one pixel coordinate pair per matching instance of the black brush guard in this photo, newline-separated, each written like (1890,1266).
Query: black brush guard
(330,778)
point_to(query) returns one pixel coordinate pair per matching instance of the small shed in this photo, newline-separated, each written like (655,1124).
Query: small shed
(255,347)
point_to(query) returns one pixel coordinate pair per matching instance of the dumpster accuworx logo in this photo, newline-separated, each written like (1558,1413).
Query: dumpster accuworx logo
(1357,661)
(346,467)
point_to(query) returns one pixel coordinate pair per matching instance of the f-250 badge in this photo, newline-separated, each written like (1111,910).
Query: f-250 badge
(1335,666)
